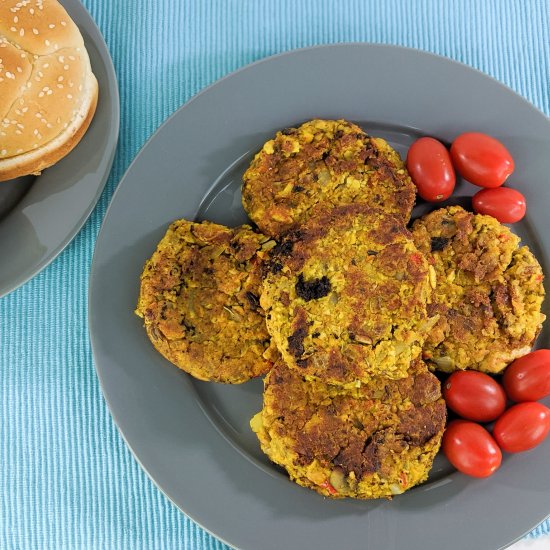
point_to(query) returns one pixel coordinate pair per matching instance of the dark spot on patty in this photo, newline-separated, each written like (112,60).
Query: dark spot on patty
(296,342)
(439,243)
(276,267)
(283,249)
(253,300)
(314,289)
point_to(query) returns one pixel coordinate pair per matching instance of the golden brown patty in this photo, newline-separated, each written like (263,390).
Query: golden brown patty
(372,441)
(345,296)
(199,300)
(323,161)
(489,292)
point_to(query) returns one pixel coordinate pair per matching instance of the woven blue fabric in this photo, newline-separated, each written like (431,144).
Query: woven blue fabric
(66,477)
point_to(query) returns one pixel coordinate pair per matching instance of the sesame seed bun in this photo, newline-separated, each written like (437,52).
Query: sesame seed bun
(48,93)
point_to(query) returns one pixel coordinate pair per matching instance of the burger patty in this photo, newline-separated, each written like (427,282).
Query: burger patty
(371,441)
(323,161)
(199,300)
(488,295)
(345,296)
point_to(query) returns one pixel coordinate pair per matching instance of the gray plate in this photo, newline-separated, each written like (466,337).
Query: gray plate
(193,438)
(39,216)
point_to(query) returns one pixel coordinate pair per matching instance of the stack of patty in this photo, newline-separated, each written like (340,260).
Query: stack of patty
(343,308)
(350,409)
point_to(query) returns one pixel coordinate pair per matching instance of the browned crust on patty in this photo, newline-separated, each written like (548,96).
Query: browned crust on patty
(367,442)
(488,295)
(199,300)
(323,161)
(346,296)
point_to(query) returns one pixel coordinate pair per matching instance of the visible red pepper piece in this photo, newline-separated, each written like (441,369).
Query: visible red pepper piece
(416,259)
(326,485)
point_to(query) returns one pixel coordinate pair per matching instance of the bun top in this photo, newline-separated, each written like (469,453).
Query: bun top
(45,74)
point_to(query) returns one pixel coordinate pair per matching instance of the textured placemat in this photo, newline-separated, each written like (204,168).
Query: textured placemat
(66,478)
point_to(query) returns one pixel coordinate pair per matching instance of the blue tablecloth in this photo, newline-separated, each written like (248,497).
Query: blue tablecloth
(66,478)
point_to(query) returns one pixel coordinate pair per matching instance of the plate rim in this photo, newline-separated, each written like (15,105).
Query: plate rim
(154,135)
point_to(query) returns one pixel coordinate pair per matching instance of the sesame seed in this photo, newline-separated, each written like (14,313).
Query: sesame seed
(13,29)
(46,65)
(35,31)
(22,32)
(31,11)
(19,70)
(47,42)
(69,96)
(10,75)
(63,23)
(15,19)
(51,26)
(49,92)
(18,132)
(3,152)
(72,57)
(66,67)
(41,94)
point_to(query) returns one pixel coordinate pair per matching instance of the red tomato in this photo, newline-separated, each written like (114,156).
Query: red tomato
(481,159)
(474,395)
(528,378)
(522,427)
(505,204)
(471,449)
(431,169)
